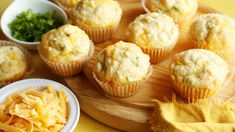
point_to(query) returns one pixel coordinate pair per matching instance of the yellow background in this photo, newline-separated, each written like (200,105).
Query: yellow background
(86,123)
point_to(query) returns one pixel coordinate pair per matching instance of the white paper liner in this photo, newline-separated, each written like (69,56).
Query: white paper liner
(67,69)
(122,90)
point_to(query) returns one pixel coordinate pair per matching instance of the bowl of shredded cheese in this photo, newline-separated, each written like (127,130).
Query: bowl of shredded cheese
(38,105)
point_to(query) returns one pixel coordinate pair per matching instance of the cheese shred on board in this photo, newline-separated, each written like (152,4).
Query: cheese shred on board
(34,111)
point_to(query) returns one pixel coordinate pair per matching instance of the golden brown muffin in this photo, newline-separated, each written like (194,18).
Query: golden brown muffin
(197,73)
(214,32)
(121,68)
(182,11)
(98,18)
(156,34)
(66,49)
(13,64)
(179,10)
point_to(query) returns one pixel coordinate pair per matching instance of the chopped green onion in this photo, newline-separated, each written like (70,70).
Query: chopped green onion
(29,26)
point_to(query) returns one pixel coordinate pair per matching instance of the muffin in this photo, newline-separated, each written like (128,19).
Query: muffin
(98,18)
(121,68)
(13,63)
(181,11)
(156,34)
(65,50)
(214,32)
(197,73)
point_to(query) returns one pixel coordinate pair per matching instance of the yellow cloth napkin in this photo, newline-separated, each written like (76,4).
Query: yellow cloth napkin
(202,116)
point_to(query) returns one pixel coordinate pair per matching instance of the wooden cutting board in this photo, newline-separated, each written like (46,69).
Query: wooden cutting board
(133,113)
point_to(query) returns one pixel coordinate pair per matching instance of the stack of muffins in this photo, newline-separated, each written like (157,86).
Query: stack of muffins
(121,68)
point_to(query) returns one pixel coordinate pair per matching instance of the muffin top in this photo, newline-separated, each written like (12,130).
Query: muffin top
(122,63)
(66,44)
(97,13)
(153,30)
(179,10)
(12,61)
(199,68)
(214,32)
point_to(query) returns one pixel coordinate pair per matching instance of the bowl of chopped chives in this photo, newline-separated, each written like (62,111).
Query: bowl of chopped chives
(25,21)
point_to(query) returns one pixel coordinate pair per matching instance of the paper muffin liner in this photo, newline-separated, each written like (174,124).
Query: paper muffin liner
(157,54)
(98,34)
(28,69)
(121,90)
(193,94)
(67,69)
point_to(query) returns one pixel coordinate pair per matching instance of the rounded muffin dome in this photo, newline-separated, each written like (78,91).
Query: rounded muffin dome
(68,43)
(13,63)
(214,32)
(179,10)
(122,63)
(153,30)
(97,13)
(198,68)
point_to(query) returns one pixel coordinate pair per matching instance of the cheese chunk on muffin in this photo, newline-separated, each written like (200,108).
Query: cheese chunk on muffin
(179,10)
(197,73)
(156,34)
(122,63)
(66,44)
(65,50)
(214,32)
(13,64)
(121,68)
(97,13)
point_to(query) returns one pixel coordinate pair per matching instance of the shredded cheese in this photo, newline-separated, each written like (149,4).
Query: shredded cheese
(33,111)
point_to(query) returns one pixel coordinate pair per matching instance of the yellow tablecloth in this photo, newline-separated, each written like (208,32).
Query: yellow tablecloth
(86,123)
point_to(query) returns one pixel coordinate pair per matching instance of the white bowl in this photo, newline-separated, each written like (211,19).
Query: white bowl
(37,6)
(39,84)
